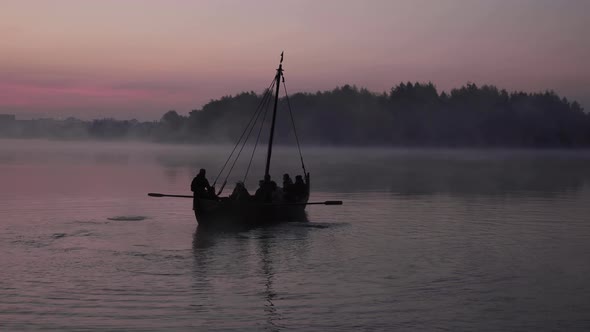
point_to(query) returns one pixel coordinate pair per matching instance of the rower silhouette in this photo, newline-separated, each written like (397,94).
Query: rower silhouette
(200,185)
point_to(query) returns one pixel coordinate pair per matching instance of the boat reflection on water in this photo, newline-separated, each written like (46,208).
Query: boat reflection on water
(254,259)
(273,316)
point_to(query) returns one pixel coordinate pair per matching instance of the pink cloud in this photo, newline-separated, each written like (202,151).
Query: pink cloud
(33,95)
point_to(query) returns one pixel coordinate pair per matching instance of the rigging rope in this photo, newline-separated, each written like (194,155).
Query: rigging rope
(263,105)
(294,129)
(248,136)
(256,144)
(267,92)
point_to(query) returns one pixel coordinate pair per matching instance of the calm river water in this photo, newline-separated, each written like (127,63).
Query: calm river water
(426,239)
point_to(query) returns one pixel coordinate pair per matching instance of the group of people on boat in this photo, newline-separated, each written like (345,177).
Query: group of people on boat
(268,190)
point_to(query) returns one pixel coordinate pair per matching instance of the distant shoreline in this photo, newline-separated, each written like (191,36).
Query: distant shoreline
(410,115)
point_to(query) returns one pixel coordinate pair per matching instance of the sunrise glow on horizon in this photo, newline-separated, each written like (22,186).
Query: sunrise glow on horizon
(138,59)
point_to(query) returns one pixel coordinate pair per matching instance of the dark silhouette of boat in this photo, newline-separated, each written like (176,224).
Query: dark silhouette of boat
(270,204)
(224,211)
(253,210)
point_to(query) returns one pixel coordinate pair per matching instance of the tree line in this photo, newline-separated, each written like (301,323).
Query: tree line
(410,114)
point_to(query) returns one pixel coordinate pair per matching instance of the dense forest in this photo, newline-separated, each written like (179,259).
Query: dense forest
(410,114)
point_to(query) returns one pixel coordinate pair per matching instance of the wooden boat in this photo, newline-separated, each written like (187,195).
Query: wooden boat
(225,211)
(212,210)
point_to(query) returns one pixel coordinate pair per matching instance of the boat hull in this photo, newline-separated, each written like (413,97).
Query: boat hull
(224,212)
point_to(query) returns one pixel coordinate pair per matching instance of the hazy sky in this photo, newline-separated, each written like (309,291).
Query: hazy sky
(140,58)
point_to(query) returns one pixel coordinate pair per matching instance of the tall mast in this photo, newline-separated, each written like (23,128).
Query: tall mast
(274,115)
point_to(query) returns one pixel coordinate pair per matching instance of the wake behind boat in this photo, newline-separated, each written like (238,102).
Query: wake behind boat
(270,203)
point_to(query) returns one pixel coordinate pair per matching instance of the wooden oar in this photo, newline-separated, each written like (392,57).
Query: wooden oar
(166,195)
(308,203)
(276,204)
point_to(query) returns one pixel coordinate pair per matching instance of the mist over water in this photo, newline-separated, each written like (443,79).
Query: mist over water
(426,239)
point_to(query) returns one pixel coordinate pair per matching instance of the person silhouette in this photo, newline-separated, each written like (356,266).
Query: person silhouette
(276,192)
(240,192)
(287,187)
(299,187)
(287,182)
(200,185)
(266,189)
(259,194)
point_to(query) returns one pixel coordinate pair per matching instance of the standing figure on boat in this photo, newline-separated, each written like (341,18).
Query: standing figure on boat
(200,186)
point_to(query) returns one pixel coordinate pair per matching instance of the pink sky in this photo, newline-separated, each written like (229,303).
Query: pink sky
(140,58)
